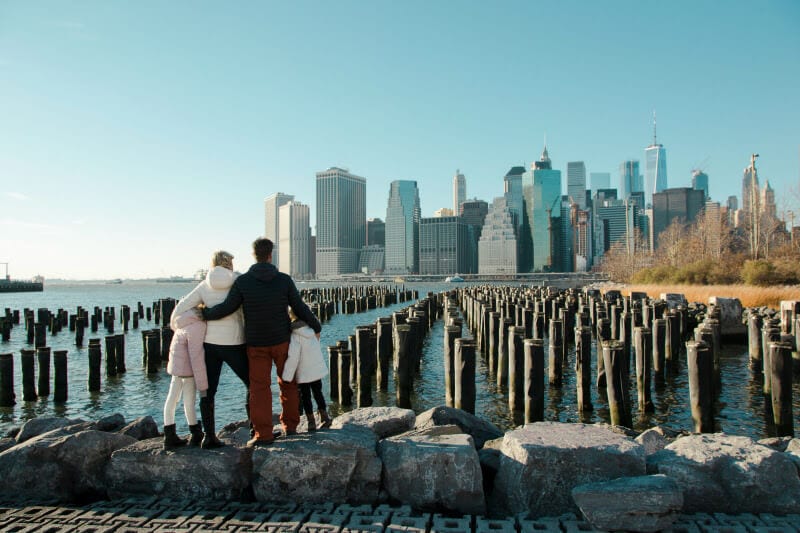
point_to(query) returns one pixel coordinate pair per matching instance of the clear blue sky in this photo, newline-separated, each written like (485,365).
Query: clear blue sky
(137,137)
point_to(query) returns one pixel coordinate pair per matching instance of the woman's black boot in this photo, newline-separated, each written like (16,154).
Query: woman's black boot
(210,439)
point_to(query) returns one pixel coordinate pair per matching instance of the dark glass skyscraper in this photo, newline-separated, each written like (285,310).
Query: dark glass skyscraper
(402,219)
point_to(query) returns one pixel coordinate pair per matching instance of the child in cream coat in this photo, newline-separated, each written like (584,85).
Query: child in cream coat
(306,365)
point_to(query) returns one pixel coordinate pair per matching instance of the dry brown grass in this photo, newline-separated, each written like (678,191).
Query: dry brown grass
(749,295)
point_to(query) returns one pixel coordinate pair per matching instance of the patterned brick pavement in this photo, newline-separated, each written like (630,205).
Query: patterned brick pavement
(184,516)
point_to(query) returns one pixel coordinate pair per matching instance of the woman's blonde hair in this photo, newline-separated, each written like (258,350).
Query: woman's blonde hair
(222,258)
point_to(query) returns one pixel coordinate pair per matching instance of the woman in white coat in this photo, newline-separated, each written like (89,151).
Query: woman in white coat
(224,340)
(306,365)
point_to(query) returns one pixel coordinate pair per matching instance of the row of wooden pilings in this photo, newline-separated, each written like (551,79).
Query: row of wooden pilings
(392,346)
(773,348)
(513,327)
(155,341)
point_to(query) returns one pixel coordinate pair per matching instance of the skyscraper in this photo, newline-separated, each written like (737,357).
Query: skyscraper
(516,205)
(402,230)
(459,191)
(630,180)
(293,240)
(700,182)
(576,182)
(473,212)
(541,188)
(446,246)
(599,180)
(376,232)
(341,221)
(750,186)
(271,222)
(679,203)
(655,176)
(497,246)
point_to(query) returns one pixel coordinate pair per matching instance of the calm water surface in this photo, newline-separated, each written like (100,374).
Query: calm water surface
(740,409)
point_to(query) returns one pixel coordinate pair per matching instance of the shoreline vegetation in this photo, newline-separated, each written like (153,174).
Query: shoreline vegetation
(757,262)
(750,296)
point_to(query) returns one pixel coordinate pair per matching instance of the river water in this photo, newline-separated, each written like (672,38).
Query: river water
(739,410)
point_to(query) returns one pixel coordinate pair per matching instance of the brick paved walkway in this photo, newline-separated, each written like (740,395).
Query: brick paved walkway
(182,516)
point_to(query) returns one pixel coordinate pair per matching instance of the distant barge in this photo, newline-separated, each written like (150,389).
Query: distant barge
(10,285)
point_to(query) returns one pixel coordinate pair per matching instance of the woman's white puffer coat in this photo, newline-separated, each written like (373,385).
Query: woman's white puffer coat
(305,363)
(211,291)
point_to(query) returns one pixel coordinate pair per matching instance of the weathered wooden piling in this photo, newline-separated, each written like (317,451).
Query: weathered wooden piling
(672,344)
(333,376)
(60,386)
(494,339)
(27,363)
(166,339)
(384,348)
(502,353)
(603,335)
(617,383)
(555,359)
(403,340)
(152,340)
(516,368)
(111,357)
(345,388)
(40,332)
(43,360)
(451,333)
(771,332)
(643,343)
(365,357)
(464,397)
(659,337)
(780,360)
(700,361)
(583,367)
(7,396)
(95,361)
(534,380)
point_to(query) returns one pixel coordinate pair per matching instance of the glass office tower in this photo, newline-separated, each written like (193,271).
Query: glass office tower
(402,228)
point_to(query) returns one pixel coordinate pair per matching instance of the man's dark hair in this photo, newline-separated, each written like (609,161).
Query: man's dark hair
(262,249)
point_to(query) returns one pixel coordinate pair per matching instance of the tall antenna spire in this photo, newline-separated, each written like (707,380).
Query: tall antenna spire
(654,127)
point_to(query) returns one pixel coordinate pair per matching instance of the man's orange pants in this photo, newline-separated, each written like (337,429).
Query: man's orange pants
(260,359)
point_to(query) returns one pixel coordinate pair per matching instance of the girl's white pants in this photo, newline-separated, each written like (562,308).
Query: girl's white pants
(177,386)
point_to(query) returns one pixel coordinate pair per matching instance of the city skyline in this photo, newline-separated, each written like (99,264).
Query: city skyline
(163,127)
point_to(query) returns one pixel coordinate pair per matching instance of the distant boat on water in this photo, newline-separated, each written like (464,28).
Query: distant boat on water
(454,279)
(175,279)
(114,281)
(36,284)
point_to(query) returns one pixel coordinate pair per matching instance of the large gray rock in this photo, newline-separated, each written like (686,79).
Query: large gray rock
(38,426)
(642,503)
(730,316)
(479,429)
(60,467)
(325,466)
(725,474)
(433,472)
(542,462)
(653,440)
(113,422)
(793,451)
(142,428)
(145,469)
(6,443)
(384,421)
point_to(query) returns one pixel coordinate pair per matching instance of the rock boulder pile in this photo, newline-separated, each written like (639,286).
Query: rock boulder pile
(442,460)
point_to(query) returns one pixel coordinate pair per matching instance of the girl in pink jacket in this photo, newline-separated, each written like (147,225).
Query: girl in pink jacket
(187,367)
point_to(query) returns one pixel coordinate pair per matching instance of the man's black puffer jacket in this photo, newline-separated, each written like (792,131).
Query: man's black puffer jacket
(264,294)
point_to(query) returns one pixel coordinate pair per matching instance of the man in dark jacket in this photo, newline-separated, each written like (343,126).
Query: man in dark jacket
(264,294)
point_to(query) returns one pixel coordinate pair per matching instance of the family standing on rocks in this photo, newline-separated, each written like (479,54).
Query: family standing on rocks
(248,326)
